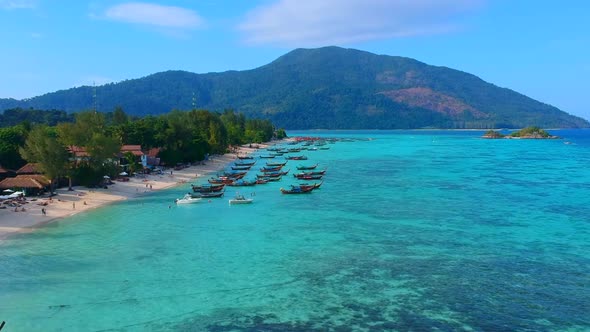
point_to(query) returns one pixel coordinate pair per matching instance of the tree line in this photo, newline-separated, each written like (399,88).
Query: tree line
(181,136)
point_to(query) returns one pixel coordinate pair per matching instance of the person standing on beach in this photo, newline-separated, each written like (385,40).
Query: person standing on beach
(73,205)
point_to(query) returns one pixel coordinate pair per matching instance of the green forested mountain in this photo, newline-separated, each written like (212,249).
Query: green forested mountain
(329,87)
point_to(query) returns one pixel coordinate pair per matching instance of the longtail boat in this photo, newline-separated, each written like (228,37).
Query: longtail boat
(221,180)
(235,175)
(271,169)
(245,157)
(269,175)
(242,183)
(301,167)
(208,195)
(208,188)
(266,156)
(241,168)
(276,164)
(296,190)
(271,178)
(245,163)
(308,185)
(303,176)
(296,158)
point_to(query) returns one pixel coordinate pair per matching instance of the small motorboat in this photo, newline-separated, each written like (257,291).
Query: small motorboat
(240,199)
(188,199)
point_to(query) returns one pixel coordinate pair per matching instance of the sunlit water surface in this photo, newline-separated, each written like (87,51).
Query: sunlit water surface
(412,230)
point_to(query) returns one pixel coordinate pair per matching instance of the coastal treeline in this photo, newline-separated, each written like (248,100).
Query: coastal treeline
(87,148)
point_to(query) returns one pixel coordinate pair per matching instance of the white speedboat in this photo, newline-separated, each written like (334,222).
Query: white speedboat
(188,199)
(240,199)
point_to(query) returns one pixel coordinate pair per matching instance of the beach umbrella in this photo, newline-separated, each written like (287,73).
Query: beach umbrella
(8,191)
(123,174)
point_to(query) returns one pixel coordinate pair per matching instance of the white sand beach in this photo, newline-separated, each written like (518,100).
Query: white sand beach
(68,203)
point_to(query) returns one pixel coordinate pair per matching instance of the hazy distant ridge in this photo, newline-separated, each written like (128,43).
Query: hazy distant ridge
(329,87)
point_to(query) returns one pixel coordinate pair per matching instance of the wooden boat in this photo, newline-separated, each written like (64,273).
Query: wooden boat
(262,180)
(241,183)
(240,168)
(296,190)
(303,176)
(276,164)
(187,199)
(270,178)
(213,194)
(308,185)
(296,158)
(208,188)
(240,199)
(269,175)
(322,172)
(245,157)
(244,163)
(234,174)
(266,156)
(221,180)
(270,169)
(301,167)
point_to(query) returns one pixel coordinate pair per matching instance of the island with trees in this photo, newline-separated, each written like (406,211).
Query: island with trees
(525,133)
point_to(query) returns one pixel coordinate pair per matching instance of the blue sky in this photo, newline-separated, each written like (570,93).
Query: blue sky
(538,48)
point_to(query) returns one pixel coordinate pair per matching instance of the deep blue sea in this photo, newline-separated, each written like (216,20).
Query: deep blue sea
(410,231)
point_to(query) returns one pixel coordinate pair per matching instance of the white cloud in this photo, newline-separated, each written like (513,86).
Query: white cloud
(327,22)
(152,14)
(18,4)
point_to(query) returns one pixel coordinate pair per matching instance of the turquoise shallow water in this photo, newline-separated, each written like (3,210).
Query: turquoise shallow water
(413,230)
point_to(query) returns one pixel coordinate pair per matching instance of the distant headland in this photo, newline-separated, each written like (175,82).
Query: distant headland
(525,133)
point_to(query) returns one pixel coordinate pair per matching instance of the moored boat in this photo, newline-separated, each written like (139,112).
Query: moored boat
(208,194)
(276,164)
(308,185)
(208,187)
(296,157)
(303,167)
(244,163)
(241,183)
(221,180)
(240,199)
(188,199)
(241,168)
(305,176)
(296,190)
(271,169)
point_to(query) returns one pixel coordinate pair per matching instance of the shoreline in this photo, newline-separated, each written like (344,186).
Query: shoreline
(68,203)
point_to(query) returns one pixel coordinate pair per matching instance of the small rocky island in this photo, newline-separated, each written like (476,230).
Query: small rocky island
(525,133)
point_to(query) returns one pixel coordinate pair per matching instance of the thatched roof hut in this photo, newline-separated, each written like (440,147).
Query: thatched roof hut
(25,182)
(30,168)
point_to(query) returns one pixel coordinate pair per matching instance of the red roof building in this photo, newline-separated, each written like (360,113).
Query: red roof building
(135,149)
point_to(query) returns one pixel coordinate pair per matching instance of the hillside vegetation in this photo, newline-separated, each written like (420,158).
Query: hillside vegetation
(329,87)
